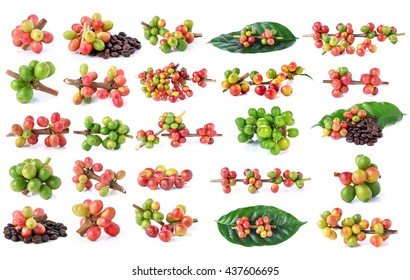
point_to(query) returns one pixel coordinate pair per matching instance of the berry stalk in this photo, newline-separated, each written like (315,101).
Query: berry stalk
(270,180)
(40,25)
(206,80)
(86,27)
(362,35)
(89,222)
(89,132)
(260,37)
(156,134)
(79,84)
(112,184)
(194,220)
(241,79)
(41,131)
(369,231)
(353,82)
(191,135)
(37,85)
(255,227)
(196,35)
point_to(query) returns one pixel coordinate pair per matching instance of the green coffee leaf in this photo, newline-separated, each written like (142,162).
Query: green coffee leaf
(286,225)
(386,113)
(229,43)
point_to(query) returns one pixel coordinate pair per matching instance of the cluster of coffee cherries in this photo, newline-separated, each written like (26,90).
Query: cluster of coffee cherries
(164,178)
(114,130)
(177,132)
(354,229)
(343,40)
(86,170)
(31,226)
(254,181)
(113,86)
(356,125)
(288,178)
(177,220)
(54,130)
(169,83)
(271,128)
(29,77)
(177,40)
(362,183)
(27,221)
(337,128)
(261,226)
(29,33)
(341,78)
(167,121)
(207,133)
(92,33)
(237,85)
(34,176)
(371,81)
(249,36)
(94,218)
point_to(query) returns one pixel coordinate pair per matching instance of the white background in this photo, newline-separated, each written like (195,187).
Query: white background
(308,253)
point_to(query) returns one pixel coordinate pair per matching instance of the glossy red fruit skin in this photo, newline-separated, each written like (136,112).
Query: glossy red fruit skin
(186,174)
(177,214)
(113,229)
(179,182)
(187,221)
(345,178)
(93,233)
(165,235)
(152,231)
(167,227)
(166,183)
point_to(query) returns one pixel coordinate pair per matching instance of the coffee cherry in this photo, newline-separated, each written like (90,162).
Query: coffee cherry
(376,240)
(152,231)
(344,38)
(165,235)
(28,35)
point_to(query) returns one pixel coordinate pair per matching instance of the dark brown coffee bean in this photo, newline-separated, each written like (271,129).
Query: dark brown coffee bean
(53,237)
(27,240)
(115,54)
(126,47)
(36,239)
(117,47)
(15,238)
(63,233)
(45,238)
(125,54)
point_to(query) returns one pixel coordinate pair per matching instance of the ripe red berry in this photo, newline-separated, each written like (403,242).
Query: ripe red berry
(165,235)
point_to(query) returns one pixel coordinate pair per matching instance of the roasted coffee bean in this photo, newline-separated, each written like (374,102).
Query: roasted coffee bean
(53,231)
(119,44)
(27,240)
(365,132)
(36,239)
(45,238)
